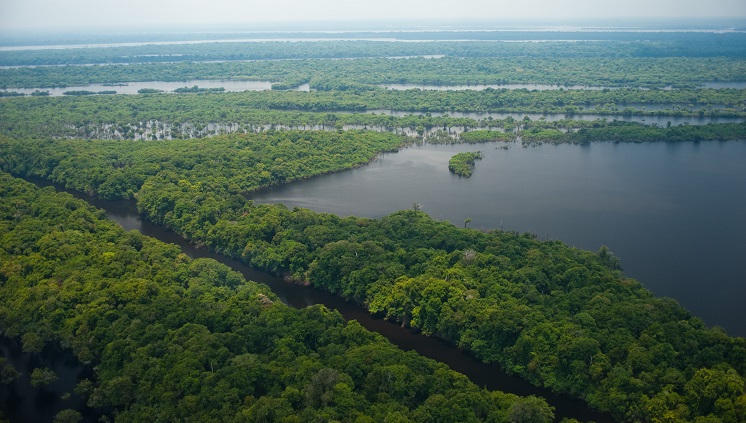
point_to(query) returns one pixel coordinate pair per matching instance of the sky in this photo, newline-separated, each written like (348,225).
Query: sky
(34,14)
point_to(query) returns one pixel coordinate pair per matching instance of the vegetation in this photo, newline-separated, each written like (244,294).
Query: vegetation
(563,318)
(604,69)
(196,89)
(173,338)
(473,137)
(149,91)
(462,164)
(189,116)
(240,163)
(490,44)
(43,376)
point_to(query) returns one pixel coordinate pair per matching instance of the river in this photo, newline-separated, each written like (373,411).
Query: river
(483,375)
(674,212)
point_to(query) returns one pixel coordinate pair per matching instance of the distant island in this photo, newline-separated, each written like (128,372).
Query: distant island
(462,164)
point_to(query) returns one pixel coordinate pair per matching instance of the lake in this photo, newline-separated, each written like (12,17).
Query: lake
(674,212)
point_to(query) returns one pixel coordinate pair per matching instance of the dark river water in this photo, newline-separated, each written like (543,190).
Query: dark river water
(674,213)
(484,375)
(21,402)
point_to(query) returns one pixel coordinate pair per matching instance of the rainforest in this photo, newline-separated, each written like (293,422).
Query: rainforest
(158,335)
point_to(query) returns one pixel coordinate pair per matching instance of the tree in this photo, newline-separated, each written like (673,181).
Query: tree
(530,410)
(42,376)
(32,342)
(68,416)
(8,372)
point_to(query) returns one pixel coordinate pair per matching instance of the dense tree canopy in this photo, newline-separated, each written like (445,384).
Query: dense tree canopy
(174,338)
(462,164)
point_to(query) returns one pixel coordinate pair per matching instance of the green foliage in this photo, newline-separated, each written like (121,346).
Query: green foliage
(462,164)
(473,137)
(530,410)
(617,63)
(32,342)
(42,376)
(165,117)
(563,318)
(68,416)
(111,169)
(173,338)
(8,372)
(196,89)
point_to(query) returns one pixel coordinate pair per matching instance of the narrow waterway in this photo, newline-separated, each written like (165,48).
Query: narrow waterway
(23,403)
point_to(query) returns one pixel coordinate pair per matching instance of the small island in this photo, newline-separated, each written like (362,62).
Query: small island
(197,89)
(462,164)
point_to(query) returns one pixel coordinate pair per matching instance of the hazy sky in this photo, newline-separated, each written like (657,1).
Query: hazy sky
(71,13)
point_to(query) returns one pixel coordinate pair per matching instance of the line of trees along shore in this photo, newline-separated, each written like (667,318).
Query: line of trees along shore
(194,116)
(604,70)
(173,338)
(462,164)
(562,318)
(590,45)
(698,102)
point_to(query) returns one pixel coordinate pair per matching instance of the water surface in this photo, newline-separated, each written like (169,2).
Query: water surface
(674,213)
(230,85)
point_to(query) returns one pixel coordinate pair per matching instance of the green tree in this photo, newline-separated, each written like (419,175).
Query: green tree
(42,376)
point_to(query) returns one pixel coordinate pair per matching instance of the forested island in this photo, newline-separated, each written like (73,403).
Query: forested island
(462,164)
(173,338)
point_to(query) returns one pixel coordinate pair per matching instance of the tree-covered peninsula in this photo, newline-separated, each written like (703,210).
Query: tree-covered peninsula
(172,338)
